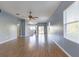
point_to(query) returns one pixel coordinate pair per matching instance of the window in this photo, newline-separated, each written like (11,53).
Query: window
(71,22)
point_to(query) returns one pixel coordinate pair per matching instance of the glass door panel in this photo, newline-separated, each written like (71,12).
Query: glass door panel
(41,34)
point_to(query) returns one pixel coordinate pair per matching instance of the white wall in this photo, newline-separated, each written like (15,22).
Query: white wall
(8,27)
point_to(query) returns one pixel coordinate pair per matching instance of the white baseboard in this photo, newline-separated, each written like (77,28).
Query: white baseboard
(62,49)
(7,40)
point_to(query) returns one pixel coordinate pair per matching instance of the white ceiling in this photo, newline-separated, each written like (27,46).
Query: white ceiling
(42,9)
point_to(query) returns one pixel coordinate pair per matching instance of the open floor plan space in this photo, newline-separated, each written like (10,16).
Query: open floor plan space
(39,29)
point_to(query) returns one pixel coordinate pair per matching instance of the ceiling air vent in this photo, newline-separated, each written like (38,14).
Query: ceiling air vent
(0,10)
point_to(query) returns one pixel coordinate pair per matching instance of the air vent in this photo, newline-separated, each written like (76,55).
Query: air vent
(0,10)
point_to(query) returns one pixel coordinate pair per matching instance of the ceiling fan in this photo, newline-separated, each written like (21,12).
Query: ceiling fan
(31,17)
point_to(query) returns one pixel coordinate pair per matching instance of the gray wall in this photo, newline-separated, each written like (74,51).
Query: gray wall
(57,19)
(8,27)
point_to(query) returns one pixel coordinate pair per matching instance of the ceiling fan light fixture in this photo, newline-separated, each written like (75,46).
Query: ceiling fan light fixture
(31,17)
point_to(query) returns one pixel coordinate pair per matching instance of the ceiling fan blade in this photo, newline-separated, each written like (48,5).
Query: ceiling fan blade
(34,17)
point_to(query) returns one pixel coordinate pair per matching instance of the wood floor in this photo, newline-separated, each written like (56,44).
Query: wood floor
(21,47)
